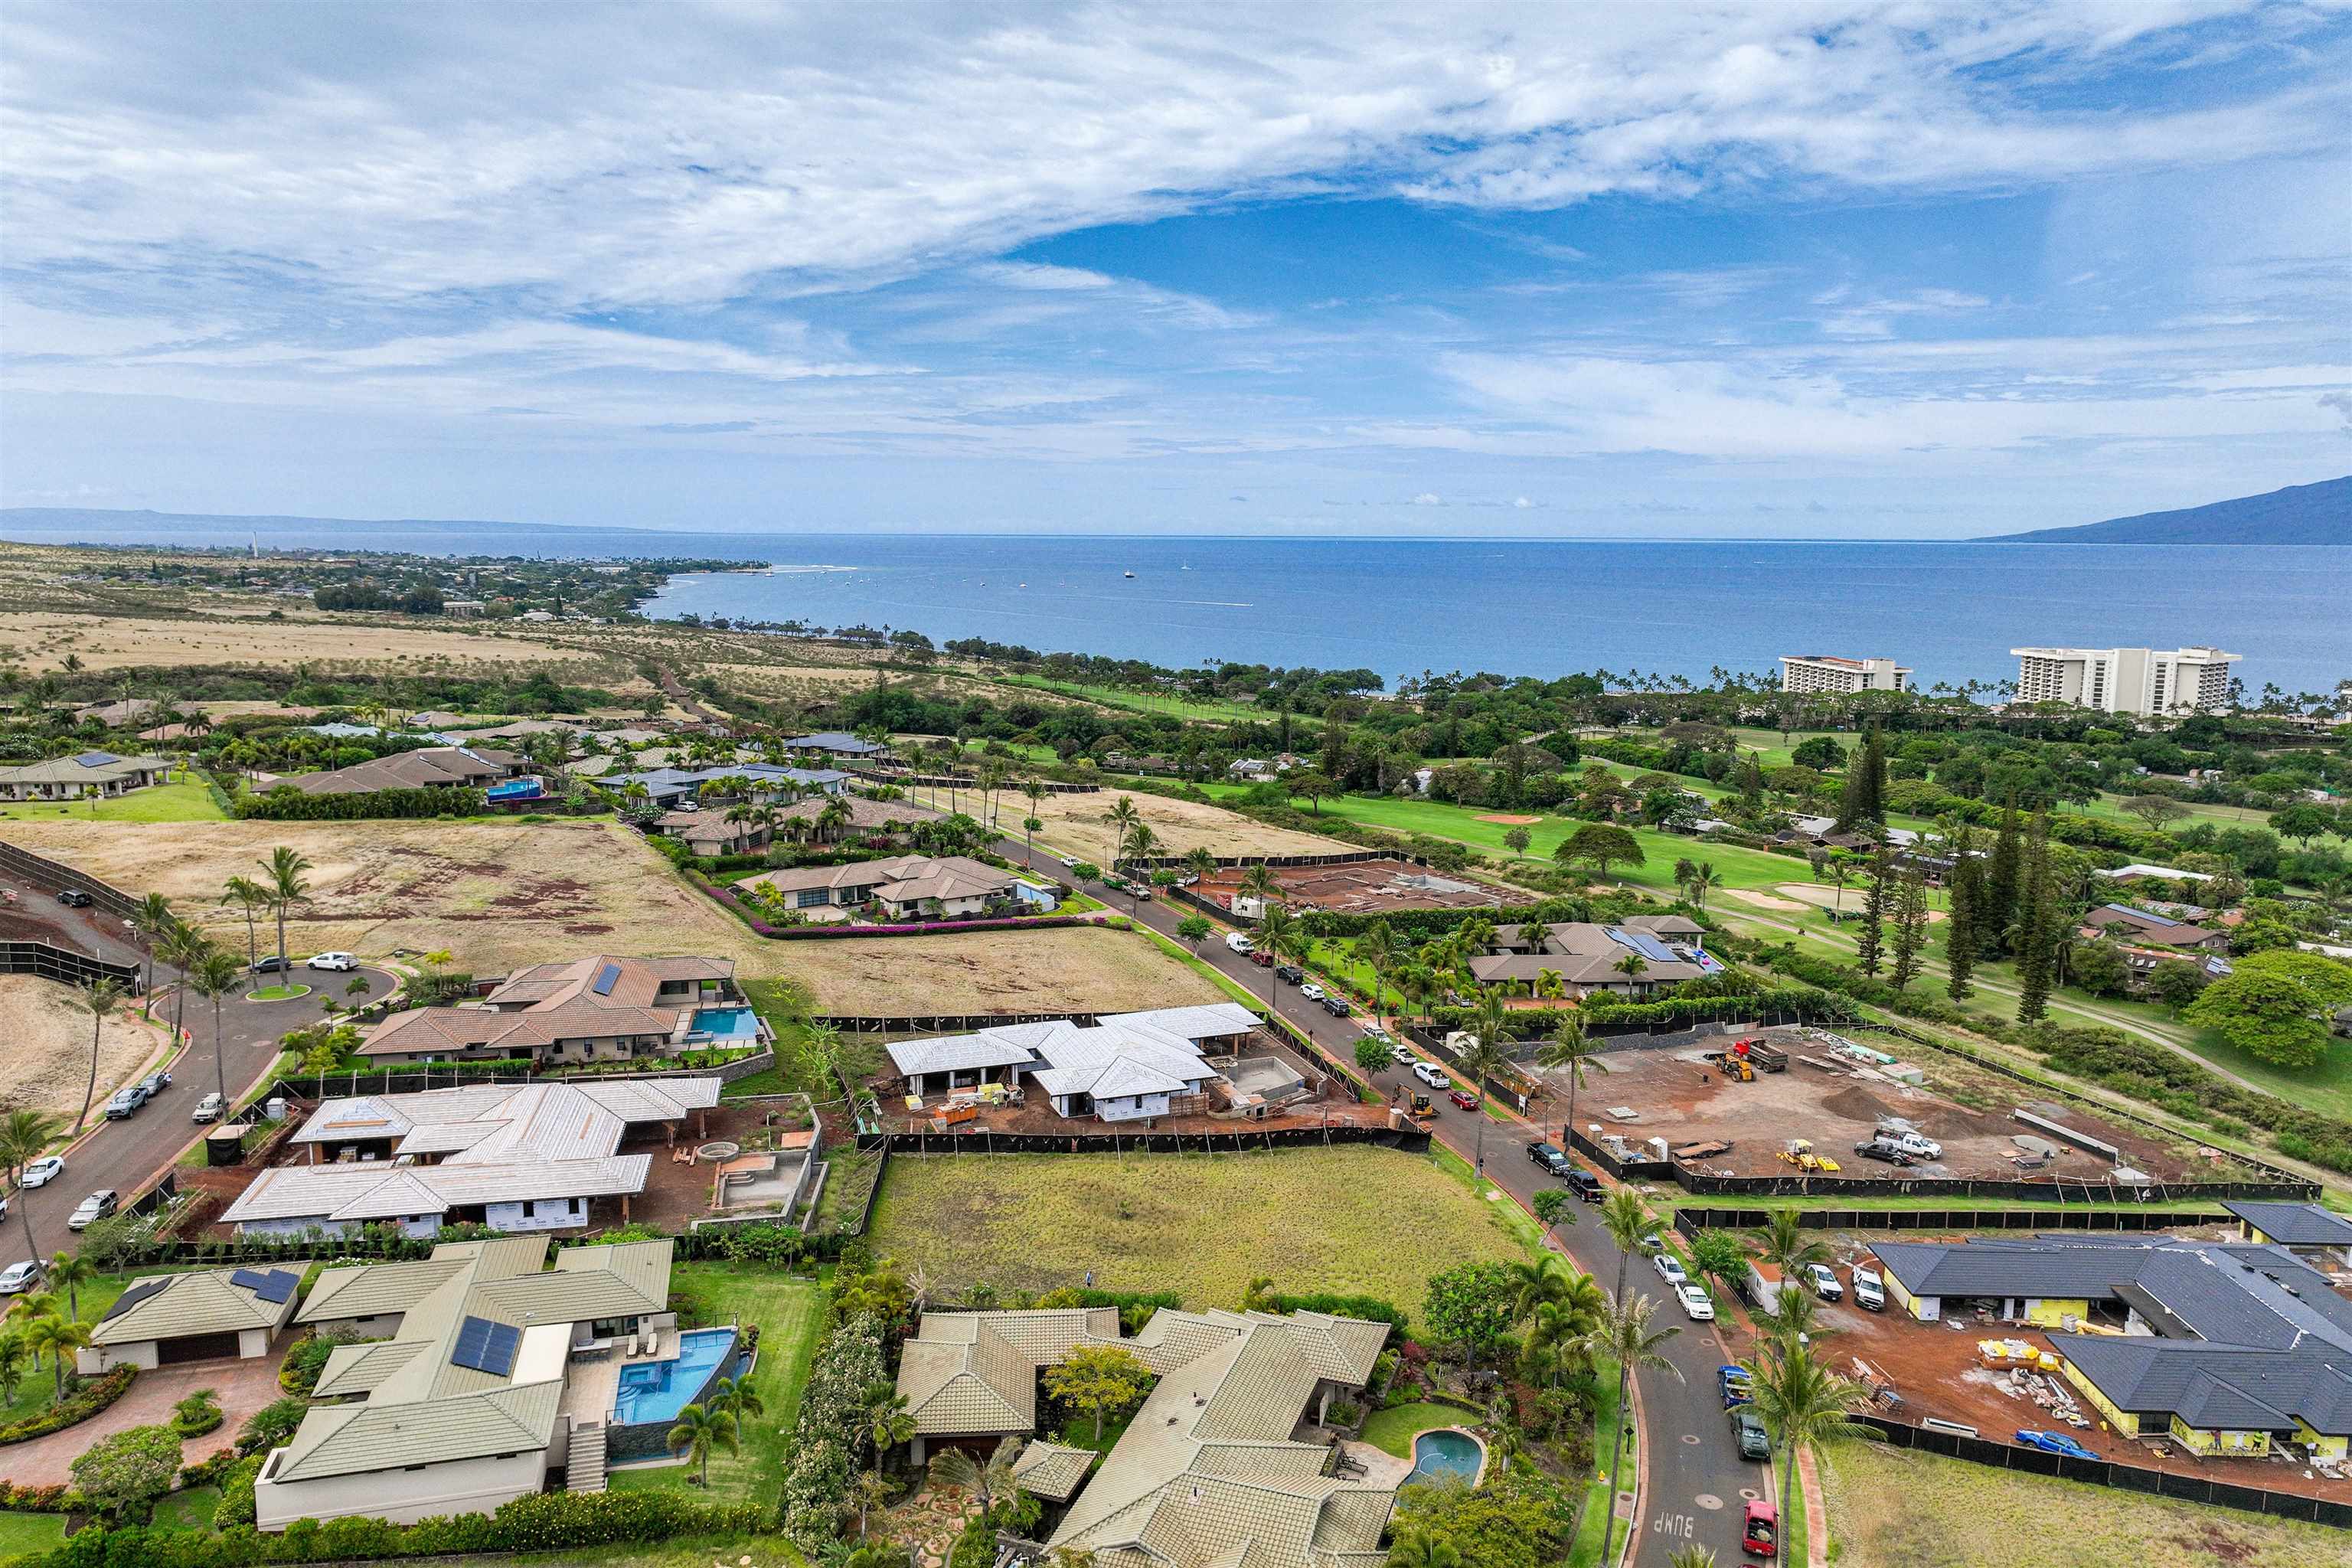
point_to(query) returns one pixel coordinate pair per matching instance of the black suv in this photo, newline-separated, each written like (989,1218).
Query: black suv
(1552,1158)
(1291,972)
(1335,1006)
(74,899)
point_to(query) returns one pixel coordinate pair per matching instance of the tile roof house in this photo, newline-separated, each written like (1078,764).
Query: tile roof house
(430,767)
(601,1008)
(710,832)
(1124,1067)
(2229,1348)
(2303,1229)
(667,786)
(472,1402)
(1585,957)
(975,1374)
(904,887)
(529,1158)
(2141,925)
(88,774)
(170,1318)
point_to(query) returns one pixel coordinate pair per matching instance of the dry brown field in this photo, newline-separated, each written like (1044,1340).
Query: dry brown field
(1074,825)
(40,640)
(44,1065)
(1076,968)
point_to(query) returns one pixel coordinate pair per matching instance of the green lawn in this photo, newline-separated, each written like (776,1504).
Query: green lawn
(191,1510)
(1584,1551)
(188,801)
(23,1533)
(1352,1219)
(35,1388)
(1213,710)
(787,1310)
(1393,1430)
(1889,1507)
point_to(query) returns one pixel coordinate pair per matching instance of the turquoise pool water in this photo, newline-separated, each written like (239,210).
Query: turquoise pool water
(1436,1455)
(658,1390)
(727,1023)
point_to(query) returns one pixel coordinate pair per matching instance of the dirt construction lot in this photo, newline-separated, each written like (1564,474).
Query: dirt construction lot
(1683,1100)
(494,894)
(1074,825)
(45,1056)
(1077,969)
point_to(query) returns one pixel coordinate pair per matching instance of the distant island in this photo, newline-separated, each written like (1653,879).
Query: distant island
(2299,514)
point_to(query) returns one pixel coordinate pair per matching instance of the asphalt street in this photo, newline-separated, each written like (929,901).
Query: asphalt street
(124,1155)
(1696,1484)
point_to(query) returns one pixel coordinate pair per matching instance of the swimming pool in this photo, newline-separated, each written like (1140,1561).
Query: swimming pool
(1441,1453)
(658,1390)
(726,1024)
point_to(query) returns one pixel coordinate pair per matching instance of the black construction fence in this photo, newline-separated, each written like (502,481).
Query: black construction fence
(1242,1141)
(1692,1219)
(2111,1473)
(54,875)
(52,962)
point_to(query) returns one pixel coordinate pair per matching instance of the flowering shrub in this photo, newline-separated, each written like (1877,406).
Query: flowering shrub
(94,1396)
(827,1432)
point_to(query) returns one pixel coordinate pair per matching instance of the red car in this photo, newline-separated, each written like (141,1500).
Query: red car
(1760,1530)
(1262,959)
(1465,1099)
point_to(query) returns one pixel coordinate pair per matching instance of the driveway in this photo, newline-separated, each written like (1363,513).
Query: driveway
(1696,1482)
(244,1386)
(125,1155)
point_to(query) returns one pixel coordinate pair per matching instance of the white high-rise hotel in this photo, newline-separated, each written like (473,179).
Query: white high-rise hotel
(2126,679)
(1819,672)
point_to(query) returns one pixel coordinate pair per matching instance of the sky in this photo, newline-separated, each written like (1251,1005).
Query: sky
(1807,268)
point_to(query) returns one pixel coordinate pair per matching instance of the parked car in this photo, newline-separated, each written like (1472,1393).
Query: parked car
(1759,1529)
(330,960)
(1869,1289)
(1334,1005)
(1239,943)
(2053,1443)
(1070,862)
(1917,1145)
(1670,1269)
(125,1104)
(1585,1185)
(1736,1387)
(1432,1075)
(1141,892)
(19,1278)
(209,1108)
(43,1171)
(1696,1303)
(1876,1149)
(73,898)
(1551,1157)
(1403,1055)
(1824,1281)
(1262,958)
(1748,1431)
(1463,1098)
(93,1209)
(1375,1032)
(1291,972)
(1311,991)
(154,1084)
(271,964)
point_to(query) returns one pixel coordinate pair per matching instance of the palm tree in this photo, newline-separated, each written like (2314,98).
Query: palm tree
(286,889)
(69,1272)
(1201,860)
(981,1478)
(1533,1284)
(152,918)
(1804,1403)
(1421,1547)
(1034,788)
(1568,1047)
(252,898)
(1782,1242)
(1123,815)
(1258,885)
(1136,848)
(59,1338)
(1630,1223)
(12,1366)
(1274,926)
(183,947)
(736,1397)
(215,976)
(1691,1557)
(1483,1057)
(1376,949)
(887,1421)
(699,1431)
(1704,880)
(24,1134)
(1624,1336)
(98,999)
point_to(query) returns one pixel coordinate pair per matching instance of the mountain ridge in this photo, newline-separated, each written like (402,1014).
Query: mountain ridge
(2317,513)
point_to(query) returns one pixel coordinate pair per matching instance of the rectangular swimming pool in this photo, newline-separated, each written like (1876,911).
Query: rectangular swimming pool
(734,1025)
(658,1390)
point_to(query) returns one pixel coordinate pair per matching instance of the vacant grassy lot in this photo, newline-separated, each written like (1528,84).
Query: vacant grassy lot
(787,1311)
(1060,968)
(1074,825)
(186,802)
(1893,1509)
(1352,1219)
(47,1064)
(494,894)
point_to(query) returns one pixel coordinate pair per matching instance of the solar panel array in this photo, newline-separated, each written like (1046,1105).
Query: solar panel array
(133,1297)
(1642,943)
(273,1285)
(605,979)
(486,1346)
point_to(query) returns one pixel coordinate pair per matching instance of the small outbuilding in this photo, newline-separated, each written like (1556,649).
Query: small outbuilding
(218,1314)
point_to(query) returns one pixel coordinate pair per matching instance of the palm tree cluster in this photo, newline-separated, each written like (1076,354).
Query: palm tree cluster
(38,1325)
(1802,1402)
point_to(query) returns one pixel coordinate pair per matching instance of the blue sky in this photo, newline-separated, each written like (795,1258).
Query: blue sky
(1810,268)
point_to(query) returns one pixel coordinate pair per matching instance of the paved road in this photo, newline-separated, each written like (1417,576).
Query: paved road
(1698,1483)
(125,1154)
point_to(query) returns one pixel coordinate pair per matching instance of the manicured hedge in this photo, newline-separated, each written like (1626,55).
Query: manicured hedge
(288,805)
(1370,1307)
(94,1396)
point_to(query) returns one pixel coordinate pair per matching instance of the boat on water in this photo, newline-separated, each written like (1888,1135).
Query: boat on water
(1127,573)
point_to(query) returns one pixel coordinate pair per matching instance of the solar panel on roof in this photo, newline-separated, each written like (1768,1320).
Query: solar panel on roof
(485,1346)
(133,1297)
(251,1278)
(276,1285)
(97,759)
(607,978)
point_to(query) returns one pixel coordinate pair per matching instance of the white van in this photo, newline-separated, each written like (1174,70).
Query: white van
(1240,944)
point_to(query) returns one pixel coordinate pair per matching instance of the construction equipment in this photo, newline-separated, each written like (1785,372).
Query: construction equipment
(1422,1109)
(1799,1151)
(1766,1056)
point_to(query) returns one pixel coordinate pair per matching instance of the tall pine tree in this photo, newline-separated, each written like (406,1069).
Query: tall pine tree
(1910,926)
(1960,930)
(1875,907)
(1998,913)
(2036,928)
(1863,802)
(1751,784)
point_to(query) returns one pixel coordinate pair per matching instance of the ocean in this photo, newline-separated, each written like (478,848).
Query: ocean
(1951,611)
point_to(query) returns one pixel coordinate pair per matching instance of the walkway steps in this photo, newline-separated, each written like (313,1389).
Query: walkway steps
(584,1471)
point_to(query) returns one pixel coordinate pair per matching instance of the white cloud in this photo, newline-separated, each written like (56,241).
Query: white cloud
(1523,503)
